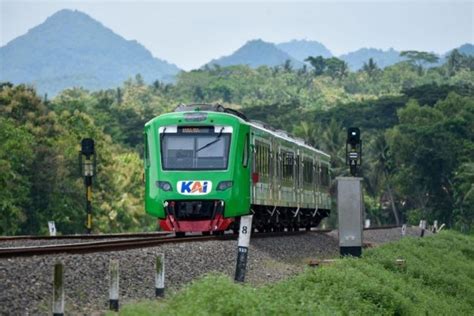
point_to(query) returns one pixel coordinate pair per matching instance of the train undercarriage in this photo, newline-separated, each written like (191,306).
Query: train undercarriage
(206,216)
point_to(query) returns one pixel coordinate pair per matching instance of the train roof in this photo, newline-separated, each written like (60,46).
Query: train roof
(205,107)
(285,136)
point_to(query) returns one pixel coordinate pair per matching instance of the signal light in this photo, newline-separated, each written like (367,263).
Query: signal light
(353,136)
(353,149)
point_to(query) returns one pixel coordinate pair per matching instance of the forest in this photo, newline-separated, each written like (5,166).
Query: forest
(416,118)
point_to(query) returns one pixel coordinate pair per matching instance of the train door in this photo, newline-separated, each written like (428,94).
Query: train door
(278,169)
(288,157)
(298,183)
(262,171)
(318,184)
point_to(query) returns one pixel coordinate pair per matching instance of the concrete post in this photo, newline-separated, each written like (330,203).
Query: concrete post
(58,290)
(423,227)
(350,208)
(114,285)
(160,276)
(243,247)
(404,230)
(367,223)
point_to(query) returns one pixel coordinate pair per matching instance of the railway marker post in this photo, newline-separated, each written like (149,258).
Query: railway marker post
(114,285)
(367,223)
(160,276)
(52,228)
(243,247)
(423,227)
(404,230)
(58,290)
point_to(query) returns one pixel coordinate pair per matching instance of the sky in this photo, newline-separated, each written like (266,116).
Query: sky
(190,34)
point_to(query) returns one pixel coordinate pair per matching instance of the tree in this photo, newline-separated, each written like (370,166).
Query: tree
(464,197)
(371,68)
(378,157)
(419,59)
(428,146)
(457,61)
(287,67)
(16,156)
(318,63)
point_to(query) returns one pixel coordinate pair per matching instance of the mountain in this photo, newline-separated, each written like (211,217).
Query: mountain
(466,49)
(72,49)
(301,49)
(356,59)
(257,53)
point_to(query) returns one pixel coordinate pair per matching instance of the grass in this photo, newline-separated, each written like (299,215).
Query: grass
(438,279)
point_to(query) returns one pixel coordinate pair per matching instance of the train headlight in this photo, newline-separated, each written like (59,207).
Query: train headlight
(164,185)
(224,185)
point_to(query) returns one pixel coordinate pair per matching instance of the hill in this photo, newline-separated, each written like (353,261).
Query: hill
(257,53)
(383,58)
(72,49)
(466,49)
(301,49)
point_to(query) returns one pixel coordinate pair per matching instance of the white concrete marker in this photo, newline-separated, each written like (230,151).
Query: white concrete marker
(160,276)
(243,247)
(58,290)
(114,285)
(404,230)
(52,228)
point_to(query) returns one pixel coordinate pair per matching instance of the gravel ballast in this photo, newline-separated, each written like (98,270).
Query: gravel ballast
(26,282)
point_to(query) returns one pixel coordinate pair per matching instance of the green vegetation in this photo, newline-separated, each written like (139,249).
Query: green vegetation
(438,278)
(418,134)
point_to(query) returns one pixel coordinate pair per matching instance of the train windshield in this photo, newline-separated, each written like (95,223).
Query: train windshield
(199,151)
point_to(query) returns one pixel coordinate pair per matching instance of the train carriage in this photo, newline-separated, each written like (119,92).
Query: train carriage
(205,166)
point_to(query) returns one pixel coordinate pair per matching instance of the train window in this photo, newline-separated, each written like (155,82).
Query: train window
(245,157)
(262,158)
(316,174)
(278,166)
(307,171)
(195,151)
(325,175)
(288,159)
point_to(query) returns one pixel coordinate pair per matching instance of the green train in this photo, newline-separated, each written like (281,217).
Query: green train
(206,165)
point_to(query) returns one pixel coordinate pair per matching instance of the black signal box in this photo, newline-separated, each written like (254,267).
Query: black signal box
(87,147)
(353,150)
(353,136)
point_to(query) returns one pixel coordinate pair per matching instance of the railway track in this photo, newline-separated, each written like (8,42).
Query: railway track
(122,244)
(93,237)
(125,241)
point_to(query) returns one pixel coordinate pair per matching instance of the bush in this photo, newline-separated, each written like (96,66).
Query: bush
(438,279)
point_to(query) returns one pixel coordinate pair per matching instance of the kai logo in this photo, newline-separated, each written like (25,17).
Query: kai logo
(191,187)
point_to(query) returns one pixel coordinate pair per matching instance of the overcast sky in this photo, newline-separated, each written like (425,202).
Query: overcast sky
(189,34)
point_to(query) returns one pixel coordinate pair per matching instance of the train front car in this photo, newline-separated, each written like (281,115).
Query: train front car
(196,170)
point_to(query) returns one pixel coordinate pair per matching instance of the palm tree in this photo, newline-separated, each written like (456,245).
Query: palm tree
(371,68)
(379,176)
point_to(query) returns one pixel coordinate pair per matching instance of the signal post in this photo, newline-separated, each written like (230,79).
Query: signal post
(87,159)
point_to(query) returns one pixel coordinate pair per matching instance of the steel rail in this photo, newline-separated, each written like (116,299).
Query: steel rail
(141,242)
(127,235)
(123,244)
(99,236)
